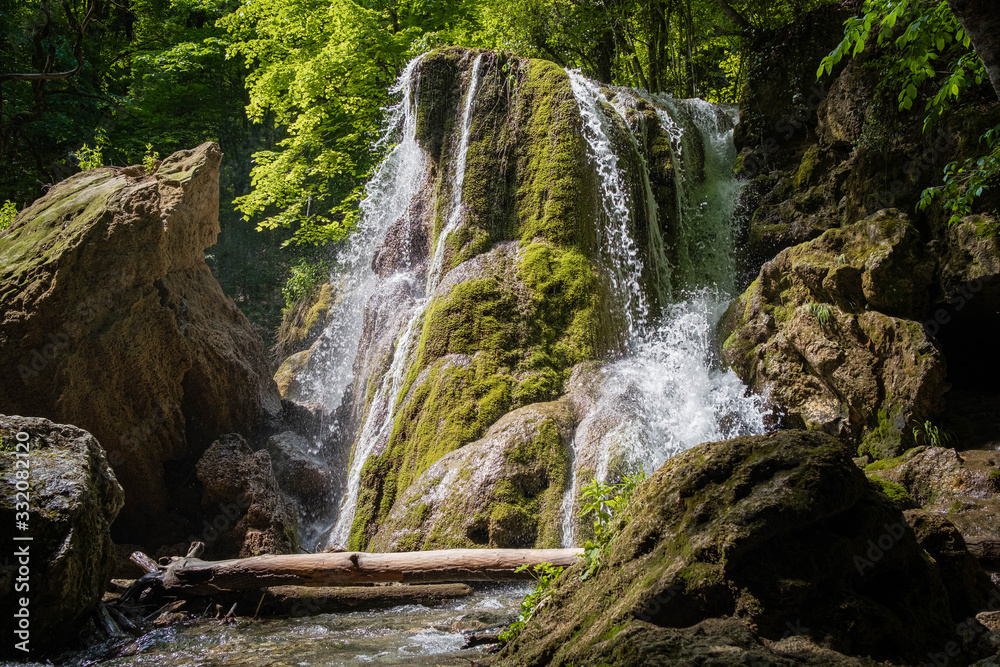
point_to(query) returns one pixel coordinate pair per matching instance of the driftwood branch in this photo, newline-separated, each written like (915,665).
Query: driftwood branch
(198,577)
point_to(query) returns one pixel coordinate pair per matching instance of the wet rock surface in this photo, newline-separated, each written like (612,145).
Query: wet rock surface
(247,514)
(761,550)
(70,498)
(503,490)
(112,321)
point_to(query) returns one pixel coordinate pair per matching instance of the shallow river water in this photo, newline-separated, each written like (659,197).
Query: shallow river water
(403,635)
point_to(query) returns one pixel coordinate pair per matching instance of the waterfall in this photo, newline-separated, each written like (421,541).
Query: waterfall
(377,425)
(623,263)
(387,196)
(669,393)
(568,532)
(663,390)
(458,179)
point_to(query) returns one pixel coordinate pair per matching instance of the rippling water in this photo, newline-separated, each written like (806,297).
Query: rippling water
(403,635)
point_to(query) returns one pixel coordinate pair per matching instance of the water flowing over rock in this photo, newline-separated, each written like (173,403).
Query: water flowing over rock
(752,551)
(112,321)
(70,498)
(526,221)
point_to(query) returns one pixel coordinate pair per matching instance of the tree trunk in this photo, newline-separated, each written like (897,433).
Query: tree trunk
(199,577)
(981,21)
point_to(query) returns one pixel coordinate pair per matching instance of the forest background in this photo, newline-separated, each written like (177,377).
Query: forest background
(293,91)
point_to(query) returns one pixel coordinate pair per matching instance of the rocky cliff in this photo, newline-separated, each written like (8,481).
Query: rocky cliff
(113,322)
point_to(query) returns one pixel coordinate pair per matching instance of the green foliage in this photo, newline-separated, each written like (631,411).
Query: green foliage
(92,158)
(926,41)
(544,574)
(150,159)
(931,435)
(304,278)
(606,503)
(821,311)
(963,184)
(8,211)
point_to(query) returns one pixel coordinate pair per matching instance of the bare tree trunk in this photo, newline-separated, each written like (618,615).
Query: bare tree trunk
(199,577)
(981,20)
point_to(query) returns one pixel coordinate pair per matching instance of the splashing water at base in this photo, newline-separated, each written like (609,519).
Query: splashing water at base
(669,393)
(686,398)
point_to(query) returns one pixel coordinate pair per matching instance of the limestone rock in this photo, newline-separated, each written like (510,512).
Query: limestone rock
(303,323)
(824,331)
(306,478)
(112,321)
(757,550)
(963,486)
(72,498)
(248,515)
(503,490)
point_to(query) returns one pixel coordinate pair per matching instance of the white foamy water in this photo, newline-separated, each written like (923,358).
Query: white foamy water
(668,392)
(380,415)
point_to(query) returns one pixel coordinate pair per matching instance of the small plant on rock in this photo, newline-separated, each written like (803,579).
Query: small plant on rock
(150,160)
(606,503)
(544,574)
(821,311)
(7,214)
(931,435)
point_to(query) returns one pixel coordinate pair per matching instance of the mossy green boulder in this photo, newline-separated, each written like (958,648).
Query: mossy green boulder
(70,498)
(756,550)
(829,333)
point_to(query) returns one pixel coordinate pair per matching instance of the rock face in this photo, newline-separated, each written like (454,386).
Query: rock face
(961,486)
(71,498)
(756,550)
(113,321)
(247,513)
(503,490)
(828,330)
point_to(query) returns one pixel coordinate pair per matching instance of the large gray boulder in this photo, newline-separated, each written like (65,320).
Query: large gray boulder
(59,555)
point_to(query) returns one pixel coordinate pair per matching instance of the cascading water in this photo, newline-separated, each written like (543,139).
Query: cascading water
(623,264)
(378,422)
(664,392)
(668,393)
(387,196)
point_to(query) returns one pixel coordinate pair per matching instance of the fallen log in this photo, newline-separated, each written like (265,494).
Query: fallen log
(309,600)
(198,577)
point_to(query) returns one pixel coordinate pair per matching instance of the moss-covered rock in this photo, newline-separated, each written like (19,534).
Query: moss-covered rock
(752,551)
(112,321)
(519,300)
(303,322)
(56,479)
(503,490)
(825,333)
